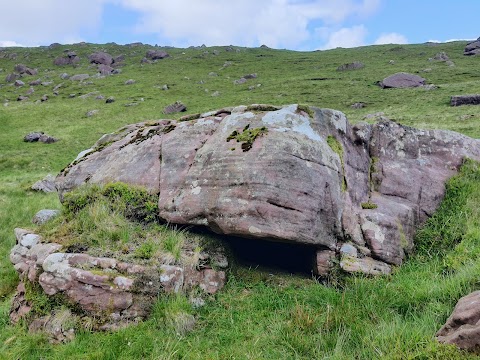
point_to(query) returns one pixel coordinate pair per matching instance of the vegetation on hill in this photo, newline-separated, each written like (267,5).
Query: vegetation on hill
(259,314)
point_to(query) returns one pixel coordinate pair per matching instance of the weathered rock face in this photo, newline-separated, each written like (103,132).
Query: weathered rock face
(472,48)
(71,58)
(458,100)
(113,290)
(101,57)
(291,174)
(402,80)
(156,54)
(463,326)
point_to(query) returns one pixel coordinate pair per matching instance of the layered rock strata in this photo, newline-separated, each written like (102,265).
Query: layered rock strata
(293,174)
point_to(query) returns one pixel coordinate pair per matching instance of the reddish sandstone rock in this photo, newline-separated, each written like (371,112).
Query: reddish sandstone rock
(291,174)
(463,326)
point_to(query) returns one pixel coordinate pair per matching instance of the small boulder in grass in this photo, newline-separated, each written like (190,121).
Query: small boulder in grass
(177,106)
(458,100)
(44,216)
(39,137)
(47,184)
(356,65)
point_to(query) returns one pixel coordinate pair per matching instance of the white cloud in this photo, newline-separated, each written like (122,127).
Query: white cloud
(10,43)
(347,37)
(276,23)
(42,22)
(391,38)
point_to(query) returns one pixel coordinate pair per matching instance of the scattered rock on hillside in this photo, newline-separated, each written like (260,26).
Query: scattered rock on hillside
(250,76)
(463,326)
(35,82)
(47,184)
(358,105)
(441,56)
(117,60)
(22,98)
(91,113)
(12,77)
(458,100)
(19,83)
(177,106)
(351,66)
(110,100)
(156,54)
(105,70)
(40,137)
(100,57)
(472,48)
(402,80)
(64,76)
(79,77)
(241,172)
(135,44)
(71,58)
(240,81)
(30,91)
(130,82)
(45,215)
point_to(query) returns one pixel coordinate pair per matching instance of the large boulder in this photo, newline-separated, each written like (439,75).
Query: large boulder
(71,58)
(472,48)
(293,174)
(156,54)
(463,326)
(402,80)
(101,57)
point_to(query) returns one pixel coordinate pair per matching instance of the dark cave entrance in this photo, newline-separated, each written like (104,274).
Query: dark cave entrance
(273,256)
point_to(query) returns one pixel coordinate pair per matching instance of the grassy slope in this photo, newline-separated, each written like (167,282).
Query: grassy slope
(258,315)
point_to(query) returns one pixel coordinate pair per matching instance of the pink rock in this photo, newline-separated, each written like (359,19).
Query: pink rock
(463,326)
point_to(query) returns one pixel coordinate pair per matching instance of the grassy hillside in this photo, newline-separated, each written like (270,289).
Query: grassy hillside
(259,315)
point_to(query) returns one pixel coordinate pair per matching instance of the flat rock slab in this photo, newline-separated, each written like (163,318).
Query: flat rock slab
(458,100)
(402,80)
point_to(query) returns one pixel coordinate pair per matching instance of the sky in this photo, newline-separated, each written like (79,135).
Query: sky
(303,25)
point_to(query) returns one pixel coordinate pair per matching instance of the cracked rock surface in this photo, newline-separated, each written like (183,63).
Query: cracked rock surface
(294,174)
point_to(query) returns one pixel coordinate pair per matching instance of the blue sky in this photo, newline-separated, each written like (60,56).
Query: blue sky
(290,24)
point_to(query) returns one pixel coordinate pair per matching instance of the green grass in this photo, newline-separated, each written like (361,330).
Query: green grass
(257,315)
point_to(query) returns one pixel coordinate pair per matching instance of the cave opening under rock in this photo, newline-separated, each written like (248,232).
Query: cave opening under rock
(273,256)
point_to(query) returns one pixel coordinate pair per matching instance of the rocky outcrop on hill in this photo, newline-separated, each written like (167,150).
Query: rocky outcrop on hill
(293,174)
(156,54)
(472,48)
(402,80)
(70,58)
(101,57)
(112,291)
